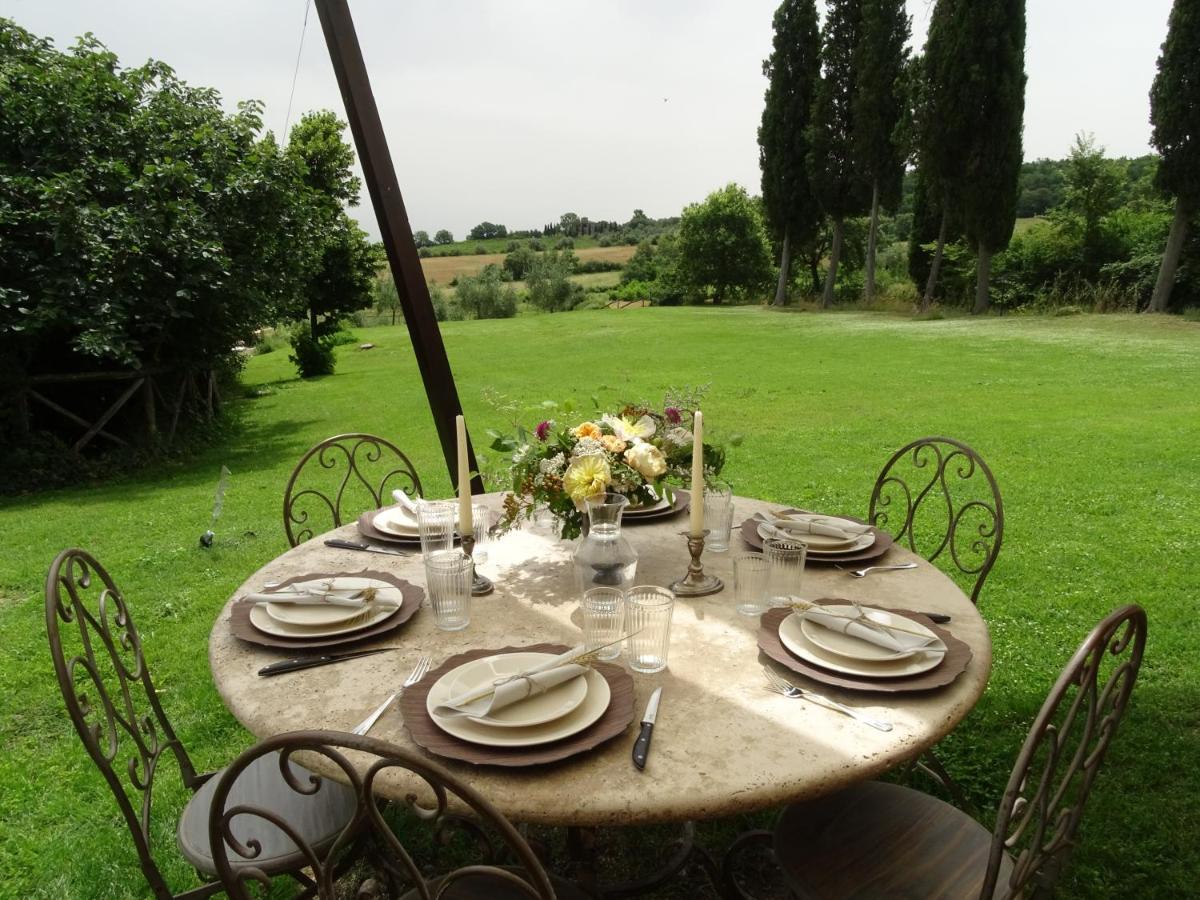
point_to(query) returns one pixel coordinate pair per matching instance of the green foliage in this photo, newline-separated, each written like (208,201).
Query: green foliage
(792,73)
(569,224)
(312,356)
(385,299)
(487,230)
(443,236)
(1175,106)
(642,266)
(880,102)
(421,239)
(723,247)
(550,287)
(632,291)
(1093,186)
(592,266)
(484,296)
(519,262)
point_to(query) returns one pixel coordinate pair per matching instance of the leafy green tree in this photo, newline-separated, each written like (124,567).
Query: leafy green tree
(792,72)
(642,266)
(1093,188)
(385,296)
(834,169)
(519,262)
(639,220)
(569,224)
(550,287)
(443,236)
(421,239)
(880,108)
(484,296)
(723,246)
(990,62)
(486,230)
(1175,115)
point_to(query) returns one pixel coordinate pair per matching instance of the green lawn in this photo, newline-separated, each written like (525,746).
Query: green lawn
(1091,425)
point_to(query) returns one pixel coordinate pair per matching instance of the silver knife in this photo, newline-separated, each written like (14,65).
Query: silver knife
(641,748)
(366,548)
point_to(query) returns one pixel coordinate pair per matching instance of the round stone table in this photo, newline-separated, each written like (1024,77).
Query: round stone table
(722,745)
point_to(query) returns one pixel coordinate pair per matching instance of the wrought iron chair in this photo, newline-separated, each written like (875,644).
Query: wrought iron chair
(883,840)
(364,465)
(112,702)
(368,849)
(931,515)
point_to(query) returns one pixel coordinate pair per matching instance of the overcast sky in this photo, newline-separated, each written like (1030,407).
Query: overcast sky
(518,111)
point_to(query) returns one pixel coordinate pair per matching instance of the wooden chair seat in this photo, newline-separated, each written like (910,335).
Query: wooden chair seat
(318,817)
(881,840)
(486,887)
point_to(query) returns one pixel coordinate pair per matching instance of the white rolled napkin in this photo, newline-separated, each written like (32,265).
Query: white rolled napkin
(875,633)
(312,597)
(407,503)
(510,692)
(784,527)
(486,691)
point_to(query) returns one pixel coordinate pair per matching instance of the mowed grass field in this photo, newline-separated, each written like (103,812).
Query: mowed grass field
(1091,425)
(444,269)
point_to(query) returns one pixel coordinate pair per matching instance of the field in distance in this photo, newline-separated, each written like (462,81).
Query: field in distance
(444,269)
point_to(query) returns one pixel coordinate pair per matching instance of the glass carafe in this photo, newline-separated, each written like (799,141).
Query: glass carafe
(604,557)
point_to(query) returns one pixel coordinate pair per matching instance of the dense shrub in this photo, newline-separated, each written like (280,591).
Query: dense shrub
(588,266)
(483,296)
(311,356)
(518,262)
(550,287)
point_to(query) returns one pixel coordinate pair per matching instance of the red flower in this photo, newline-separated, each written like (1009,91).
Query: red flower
(673,415)
(543,430)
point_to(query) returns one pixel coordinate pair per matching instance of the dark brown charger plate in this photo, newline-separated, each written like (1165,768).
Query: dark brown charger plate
(427,735)
(240,626)
(679,503)
(883,543)
(958,654)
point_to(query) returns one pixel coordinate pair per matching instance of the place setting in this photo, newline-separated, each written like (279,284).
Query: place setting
(315,612)
(830,540)
(862,647)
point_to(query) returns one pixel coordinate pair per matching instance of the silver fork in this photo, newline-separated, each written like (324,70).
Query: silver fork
(862,573)
(414,676)
(781,686)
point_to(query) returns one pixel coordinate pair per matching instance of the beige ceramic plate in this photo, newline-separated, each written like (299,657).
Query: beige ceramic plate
(261,619)
(792,636)
(536,710)
(860,542)
(582,716)
(851,647)
(309,616)
(647,508)
(396,520)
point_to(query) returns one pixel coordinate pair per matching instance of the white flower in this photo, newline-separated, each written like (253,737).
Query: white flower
(646,459)
(554,465)
(630,431)
(679,436)
(587,447)
(521,454)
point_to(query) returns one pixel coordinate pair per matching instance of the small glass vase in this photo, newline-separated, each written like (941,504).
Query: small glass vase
(604,557)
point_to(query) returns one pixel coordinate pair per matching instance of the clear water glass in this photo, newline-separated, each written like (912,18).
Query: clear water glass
(718,516)
(436,520)
(785,559)
(648,612)
(603,611)
(481,519)
(448,577)
(751,573)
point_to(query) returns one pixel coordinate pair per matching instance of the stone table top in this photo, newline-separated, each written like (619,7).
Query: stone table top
(722,745)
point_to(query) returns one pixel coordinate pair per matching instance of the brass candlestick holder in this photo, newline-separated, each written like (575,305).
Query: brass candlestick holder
(481,585)
(695,583)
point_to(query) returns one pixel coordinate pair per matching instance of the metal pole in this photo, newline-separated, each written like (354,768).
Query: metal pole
(376,159)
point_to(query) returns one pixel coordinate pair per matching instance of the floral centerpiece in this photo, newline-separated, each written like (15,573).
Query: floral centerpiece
(636,451)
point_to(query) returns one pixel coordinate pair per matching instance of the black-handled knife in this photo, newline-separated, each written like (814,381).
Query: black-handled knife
(366,548)
(309,662)
(937,618)
(641,747)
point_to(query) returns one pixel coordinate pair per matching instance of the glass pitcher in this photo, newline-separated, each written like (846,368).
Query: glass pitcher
(604,557)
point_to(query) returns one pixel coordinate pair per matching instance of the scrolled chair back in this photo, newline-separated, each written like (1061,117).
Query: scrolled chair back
(343,475)
(109,695)
(369,848)
(937,495)
(1053,775)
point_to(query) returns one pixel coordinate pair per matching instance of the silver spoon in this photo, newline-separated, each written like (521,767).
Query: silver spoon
(861,573)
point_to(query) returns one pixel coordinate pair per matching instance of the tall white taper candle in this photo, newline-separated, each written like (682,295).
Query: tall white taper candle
(697,520)
(464,479)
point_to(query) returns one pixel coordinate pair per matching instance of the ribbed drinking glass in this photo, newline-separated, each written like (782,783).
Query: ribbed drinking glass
(786,562)
(750,577)
(648,612)
(448,577)
(603,611)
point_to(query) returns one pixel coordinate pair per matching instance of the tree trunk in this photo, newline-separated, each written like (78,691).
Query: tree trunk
(872,241)
(312,323)
(814,272)
(935,267)
(834,256)
(785,265)
(1170,260)
(983,268)
(393,316)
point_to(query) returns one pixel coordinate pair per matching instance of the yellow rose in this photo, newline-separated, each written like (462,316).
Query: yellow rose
(587,430)
(612,443)
(587,476)
(646,459)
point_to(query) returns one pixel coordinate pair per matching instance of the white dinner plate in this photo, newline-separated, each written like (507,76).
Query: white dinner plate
(593,706)
(261,619)
(851,647)
(398,521)
(537,710)
(860,542)
(646,508)
(792,636)
(312,616)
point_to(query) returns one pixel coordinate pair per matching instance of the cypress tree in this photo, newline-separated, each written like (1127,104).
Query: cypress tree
(792,212)
(991,77)
(1175,115)
(835,172)
(880,104)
